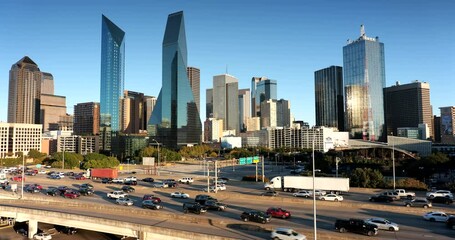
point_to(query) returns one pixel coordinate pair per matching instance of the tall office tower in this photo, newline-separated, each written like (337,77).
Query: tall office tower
(175,119)
(447,125)
(244,108)
(264,89)
(407,105)
(364,81)
(133,114)
(283,113)
(150,102)
(47,83)
(194,75)
(87,118)
(437,129)
(112,79)
(213,130)
(268,113)
(52,108)
(226,101)
(24,92)
(328,84)
(209,103)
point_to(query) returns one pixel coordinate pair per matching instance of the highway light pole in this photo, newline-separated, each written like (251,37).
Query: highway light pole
(63,156)
(158,146)
(393,160)
(22,178)
(314,190)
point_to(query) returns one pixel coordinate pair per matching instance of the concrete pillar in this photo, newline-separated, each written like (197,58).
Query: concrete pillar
(32,228)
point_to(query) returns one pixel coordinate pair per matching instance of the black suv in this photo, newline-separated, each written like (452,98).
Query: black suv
(106,180)
(445,200)
(52,192)
(213,204)
(85,191)
(256,216)
(381,198)
(357,226)
(128,189)
(194,208)
(202,198)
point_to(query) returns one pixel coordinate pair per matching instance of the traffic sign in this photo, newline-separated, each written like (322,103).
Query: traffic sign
(242,161)
(255,159)
(249,160)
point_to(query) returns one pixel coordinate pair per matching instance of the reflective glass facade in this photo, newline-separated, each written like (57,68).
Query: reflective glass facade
(112,74)
(364,81)
(262,89)
(328,84)
(175,119)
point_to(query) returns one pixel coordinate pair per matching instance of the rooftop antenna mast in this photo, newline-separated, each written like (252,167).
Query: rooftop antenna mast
(362,30)
(226,69)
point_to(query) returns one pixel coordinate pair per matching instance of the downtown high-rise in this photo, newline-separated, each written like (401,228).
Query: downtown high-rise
(364,81)
(194,76)
(175,120)
(226,101)
(112,79)
(262,89)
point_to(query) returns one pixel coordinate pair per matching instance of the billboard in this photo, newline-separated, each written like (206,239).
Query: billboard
(148,161)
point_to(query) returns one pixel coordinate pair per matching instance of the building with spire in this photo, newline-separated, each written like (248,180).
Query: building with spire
(175,120)
(112,79)
(364,81)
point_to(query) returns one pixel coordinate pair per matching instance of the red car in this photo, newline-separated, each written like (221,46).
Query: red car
(79,177)
(151,197)
(36,186)
(17,178)
(71,194)
(278,212)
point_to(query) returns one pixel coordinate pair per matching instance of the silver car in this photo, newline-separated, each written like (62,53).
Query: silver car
(383,224)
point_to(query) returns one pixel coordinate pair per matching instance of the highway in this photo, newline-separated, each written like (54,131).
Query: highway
(240,196)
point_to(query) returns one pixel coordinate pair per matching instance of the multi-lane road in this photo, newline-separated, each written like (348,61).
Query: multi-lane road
(242,196)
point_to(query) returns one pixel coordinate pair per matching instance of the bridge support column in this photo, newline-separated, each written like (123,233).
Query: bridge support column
(142,235)
(32,228)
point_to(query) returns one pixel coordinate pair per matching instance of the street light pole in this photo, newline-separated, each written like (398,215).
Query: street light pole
(314,191)
(22,178)
(158,146)
(393,160)
(63,156)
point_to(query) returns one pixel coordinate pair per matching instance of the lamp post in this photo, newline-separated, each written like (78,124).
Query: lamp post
(63,156)
(314,190)
(393,160)
(158,168)
(22,178)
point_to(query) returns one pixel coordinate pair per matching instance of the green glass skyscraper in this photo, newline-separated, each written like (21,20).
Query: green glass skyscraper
(112,78)
(175,119)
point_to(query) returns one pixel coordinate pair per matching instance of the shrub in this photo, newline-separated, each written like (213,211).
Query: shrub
(408,183)
(252,178)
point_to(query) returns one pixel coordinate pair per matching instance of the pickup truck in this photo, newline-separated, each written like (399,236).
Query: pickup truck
(117,194)
(404,194)
(357,226)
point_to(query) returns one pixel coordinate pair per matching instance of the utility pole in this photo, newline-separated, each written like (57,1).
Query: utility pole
(216,177)
(256,172)
(208,178)
(22,178)
(263,174)
(63,161)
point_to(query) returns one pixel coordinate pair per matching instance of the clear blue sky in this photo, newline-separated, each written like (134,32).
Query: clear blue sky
(283,40)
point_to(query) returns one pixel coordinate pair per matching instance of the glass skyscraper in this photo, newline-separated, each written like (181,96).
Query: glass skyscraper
(112,78)
(262,89)
(175,120)
(328,86)
(364,81)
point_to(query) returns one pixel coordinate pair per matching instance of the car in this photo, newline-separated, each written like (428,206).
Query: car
(418,202)
(270,193)
(445,200)
(86,185)
(130,178)
(180,195)
(382,198)
(71,194)
(124,201)
(439,193)
(436,216)
(159,185)
(256,216)
(186,180)
(52,192)
(152,198)
(383,224)
(117,194)
(221,180)
(22,231)
(215,205)
(150,204)
(202,198)
(318,193)
(357,226)
(55,176)
(66,230)
(172,184)
(278,212)
(39,187)
(31,189)
(450,223)
(117,180)
(17,178)
(331,197)
(194,208)
(42,172)
(42,236)
(302,193)
(134,183)
(286,234)
(392,194)
(106,180)
(62,189)
(79,177)
(30,173)
(86,191)
(149,179)
(128,189)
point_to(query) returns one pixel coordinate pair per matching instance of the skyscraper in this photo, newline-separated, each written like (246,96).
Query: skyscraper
(175,120)
(87,118)
(226,101)
(244,108)
(364,81)
(328,84)
(209,103)
(262,89)
(24,92)
(133,113)
(447,125)
(194,75)
(408,105)
(47,83)
(112,78)
(283,113)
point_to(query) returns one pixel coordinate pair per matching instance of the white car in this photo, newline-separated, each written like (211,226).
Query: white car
(305,194)
(117,194)
(318,193)
(383,224)
(186,180)
(42,236)
(117,180)
(331,197)
(42,172)
(130,179)
(124,201)
(286,234)
(220,187)
(180,195)
(440,193)
(436,216)
(159,185)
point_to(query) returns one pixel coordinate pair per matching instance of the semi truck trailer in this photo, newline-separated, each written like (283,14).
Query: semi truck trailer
(295,183)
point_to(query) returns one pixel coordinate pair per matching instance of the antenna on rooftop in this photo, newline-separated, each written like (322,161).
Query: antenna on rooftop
(362,30)
(226,69)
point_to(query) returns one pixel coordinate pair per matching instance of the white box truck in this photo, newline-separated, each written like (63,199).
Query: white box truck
(294,183)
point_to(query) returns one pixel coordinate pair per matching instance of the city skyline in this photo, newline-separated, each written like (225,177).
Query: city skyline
(291,45)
